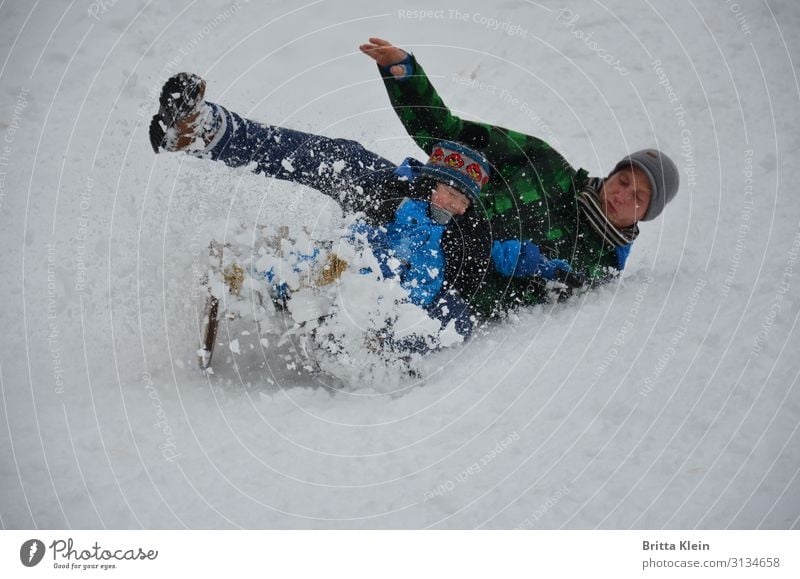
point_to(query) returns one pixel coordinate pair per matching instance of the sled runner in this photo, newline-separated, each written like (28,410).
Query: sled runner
(208,334)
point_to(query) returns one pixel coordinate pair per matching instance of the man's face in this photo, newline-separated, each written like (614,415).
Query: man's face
(449,199)
(625,196)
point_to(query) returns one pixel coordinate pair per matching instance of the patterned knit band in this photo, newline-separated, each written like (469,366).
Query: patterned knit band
(459,166)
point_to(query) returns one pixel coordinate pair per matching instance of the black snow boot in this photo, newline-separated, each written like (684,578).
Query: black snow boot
(182,113)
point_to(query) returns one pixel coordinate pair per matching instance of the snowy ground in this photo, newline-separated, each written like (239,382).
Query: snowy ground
(667,400)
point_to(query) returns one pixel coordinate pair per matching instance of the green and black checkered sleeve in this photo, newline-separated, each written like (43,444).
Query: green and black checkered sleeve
(425,116)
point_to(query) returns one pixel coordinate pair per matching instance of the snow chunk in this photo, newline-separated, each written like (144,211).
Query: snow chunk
(449,336)
(307,305)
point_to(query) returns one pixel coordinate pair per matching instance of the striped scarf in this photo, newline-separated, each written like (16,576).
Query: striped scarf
(589,202)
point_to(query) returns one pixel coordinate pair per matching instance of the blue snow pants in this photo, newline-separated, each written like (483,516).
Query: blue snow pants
(339,168)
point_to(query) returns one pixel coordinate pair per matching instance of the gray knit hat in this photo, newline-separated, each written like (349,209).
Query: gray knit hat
(662,173)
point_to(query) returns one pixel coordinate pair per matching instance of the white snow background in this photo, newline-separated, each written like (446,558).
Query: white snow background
(666,400)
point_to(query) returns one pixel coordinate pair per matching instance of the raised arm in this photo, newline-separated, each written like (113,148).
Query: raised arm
(421,110)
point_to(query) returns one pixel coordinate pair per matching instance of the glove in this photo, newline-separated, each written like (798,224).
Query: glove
(551,268)
(514,259)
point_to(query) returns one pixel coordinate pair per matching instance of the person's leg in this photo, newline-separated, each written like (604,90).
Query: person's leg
(339,168)
(449,308)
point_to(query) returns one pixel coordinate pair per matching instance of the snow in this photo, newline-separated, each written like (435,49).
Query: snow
(287,164)
(668,399)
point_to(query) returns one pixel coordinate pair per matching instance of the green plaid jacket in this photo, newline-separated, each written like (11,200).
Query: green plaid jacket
(532,192)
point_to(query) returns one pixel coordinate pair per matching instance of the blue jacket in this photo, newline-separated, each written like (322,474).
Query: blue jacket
(409,247)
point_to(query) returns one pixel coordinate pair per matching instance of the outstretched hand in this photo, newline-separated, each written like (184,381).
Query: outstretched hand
(382,52)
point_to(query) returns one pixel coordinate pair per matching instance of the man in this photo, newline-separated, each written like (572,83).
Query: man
(545,205)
